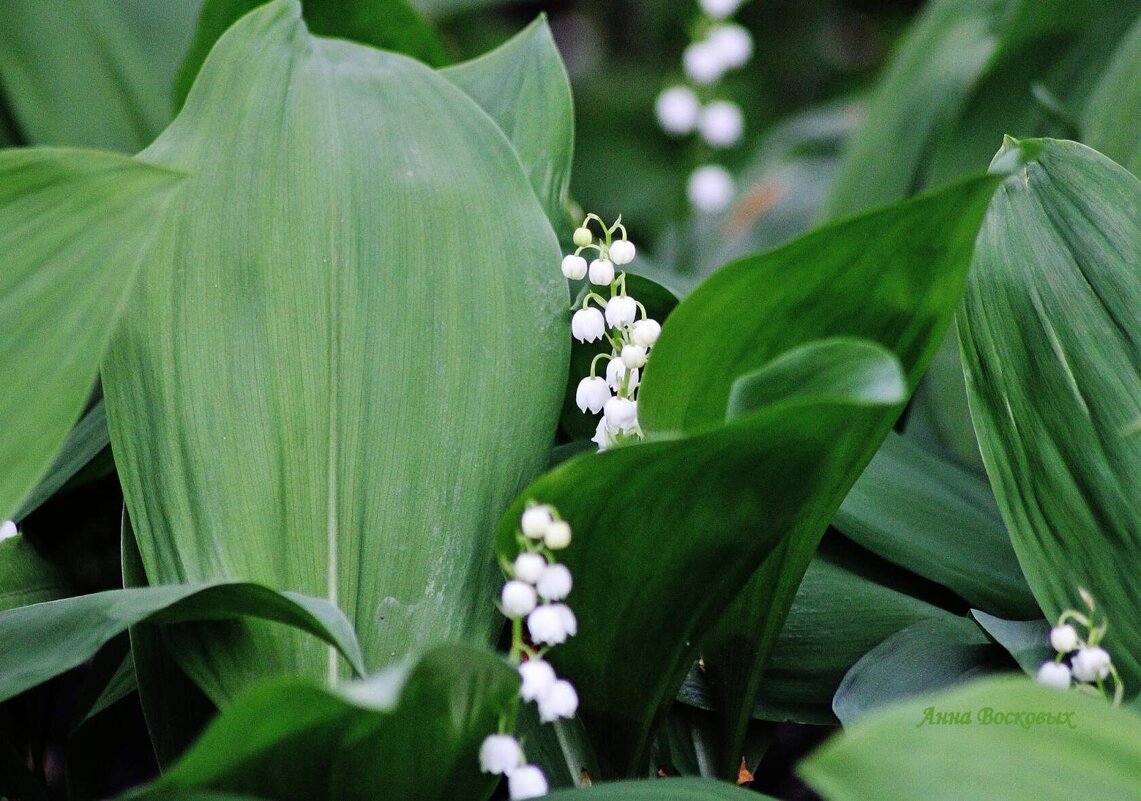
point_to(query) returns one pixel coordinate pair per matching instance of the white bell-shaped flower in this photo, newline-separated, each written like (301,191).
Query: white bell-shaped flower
(582,237)
(1064,638)
(621,311)
(677,109)
(555,583)
(558,536)
(529,567)
(1090,664)
(722,124)
(633,356)
(621,414)
(500,753)
(646,333)
(616,370)
(601,272)
(587,325)
(720,9)
(733,43)
(518,599)
(560,701)
(8,530)
(703,64)
(592,393)
(526,782)
(1054,674)
(622,251)
(574,267)
(603,437)
(535,520)
(711,189)
(551,624)
(538,677)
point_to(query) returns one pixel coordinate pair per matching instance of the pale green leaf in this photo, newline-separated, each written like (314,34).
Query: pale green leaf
(1109,120)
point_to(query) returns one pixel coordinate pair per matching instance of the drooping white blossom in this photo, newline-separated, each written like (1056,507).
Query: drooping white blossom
(526,782)
(1054,674)
(621,414)
(646,333)
(592,393)
(588,325)
(711,189)
(529,567)
(1090,664)
(500,753)
(603,437)
(8,530)
(616,370)
(722,124)
(558,536)
(633,356)
(551,624)
(574,267)
(518,598)
(622,252)
(720,9)
(538,677)
(535,520)
(601,272)
(1064,638)
(560,701)
(621,311)
(702,63)
(677,109)
(555,584)
(734,44)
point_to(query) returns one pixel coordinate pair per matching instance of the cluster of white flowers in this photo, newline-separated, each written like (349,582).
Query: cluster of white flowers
(719,47)
(620,320)
(1080,659)
(8,530)
(534,592)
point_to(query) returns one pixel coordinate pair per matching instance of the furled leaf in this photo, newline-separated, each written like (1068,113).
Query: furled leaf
(411,731)
(1051,339)
(660,790)
(1028,641)
(88,443)
(937,520)
(308,390)
(46,639)
(523,85)
(1050,745)
(685,507)
(26,577)
(894,277)
(1109,120)
(387,24)
(926,656)
(72,225)
(92,73)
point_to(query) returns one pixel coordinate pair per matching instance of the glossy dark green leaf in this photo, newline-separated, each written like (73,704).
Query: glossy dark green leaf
(45,639)
(1109,120)
(1090,750)
(1051,339)
(523,85)
(277,411)
(92,73)
(660,790)
(894,277)
(72,225)
(88,442)
(685,506)
(1028,641)
(940,521)
(926,656)
(409,732)
(28,578)
(387,24)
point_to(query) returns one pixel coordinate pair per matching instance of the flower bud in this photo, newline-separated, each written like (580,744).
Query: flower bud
(646,333)
(622,252)
(574,267)
(1090,664)
(555,583)
(722,124)
(526,782)
(621,311)
(711,189)
(621,414)
(529,567)
(616,370)
(1054,674)
(733,43)
(551,624)
(500,753)
(8,530)
(560,701)
(1064,638)
(633,356)
(587,325)
(518,599)
(538,678)
(558,536)
(677,109)
(582,237)
(535,521)
(592,393)
(602,272)
(720,9)
(702,63)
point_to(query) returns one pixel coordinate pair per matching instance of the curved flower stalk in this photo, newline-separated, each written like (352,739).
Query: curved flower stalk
(717,47)
(621,321)
(1080,661)
(536,588)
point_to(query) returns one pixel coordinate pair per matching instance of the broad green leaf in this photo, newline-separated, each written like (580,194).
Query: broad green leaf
(387,24)
(1109,120)
(1028,641)
(92,73)
(120,684)
(26,577)
(409,732)
(1051,339)
(893,276)
(937,520)
(948,51)
(926,656)
(660,790)
(72,224)
(1075,747)
(686,508)
(524,86)
(308,388)
(46,639)
(88,444)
